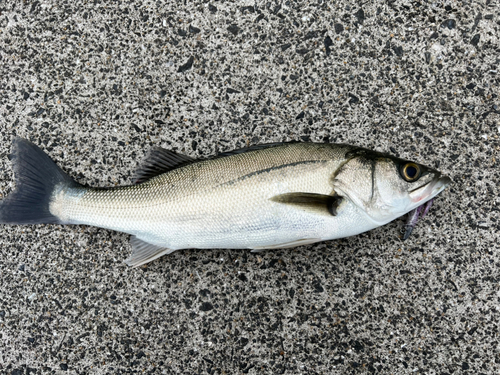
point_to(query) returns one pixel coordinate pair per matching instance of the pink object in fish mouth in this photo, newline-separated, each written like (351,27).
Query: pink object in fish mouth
(427,192)
(414,216)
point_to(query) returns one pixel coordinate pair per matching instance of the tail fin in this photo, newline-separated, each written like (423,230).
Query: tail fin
(36,178)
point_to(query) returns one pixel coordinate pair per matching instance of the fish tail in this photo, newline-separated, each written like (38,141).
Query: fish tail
(37,178)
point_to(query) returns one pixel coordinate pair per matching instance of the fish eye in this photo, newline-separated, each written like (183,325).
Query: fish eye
(410,172)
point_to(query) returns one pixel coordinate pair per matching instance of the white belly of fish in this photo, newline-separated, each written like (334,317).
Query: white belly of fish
(240,226)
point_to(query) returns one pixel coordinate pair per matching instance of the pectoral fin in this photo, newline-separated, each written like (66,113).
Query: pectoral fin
(143,252)
(318,203)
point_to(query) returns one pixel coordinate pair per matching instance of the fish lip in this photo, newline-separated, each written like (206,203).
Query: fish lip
(428,191)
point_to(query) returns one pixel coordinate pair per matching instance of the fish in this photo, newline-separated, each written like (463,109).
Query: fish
(264,197)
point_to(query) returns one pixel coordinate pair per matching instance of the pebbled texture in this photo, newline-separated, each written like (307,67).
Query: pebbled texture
(97,84)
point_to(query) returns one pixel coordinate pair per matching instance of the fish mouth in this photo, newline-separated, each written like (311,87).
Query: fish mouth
(430,190)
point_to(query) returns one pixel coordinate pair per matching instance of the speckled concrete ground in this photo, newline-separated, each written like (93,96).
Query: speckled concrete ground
(96,84)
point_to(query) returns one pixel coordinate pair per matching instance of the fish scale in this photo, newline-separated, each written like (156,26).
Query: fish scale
(200,200)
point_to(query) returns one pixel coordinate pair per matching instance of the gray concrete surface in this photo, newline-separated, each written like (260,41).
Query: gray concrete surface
(97,83)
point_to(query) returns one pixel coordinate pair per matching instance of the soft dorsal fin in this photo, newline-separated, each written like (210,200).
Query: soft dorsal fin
(317,203)
(158,161)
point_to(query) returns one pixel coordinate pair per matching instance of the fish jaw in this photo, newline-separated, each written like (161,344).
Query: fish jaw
(435,187)
(427,192)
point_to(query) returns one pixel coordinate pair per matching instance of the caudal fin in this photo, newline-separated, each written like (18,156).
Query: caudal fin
(37,176)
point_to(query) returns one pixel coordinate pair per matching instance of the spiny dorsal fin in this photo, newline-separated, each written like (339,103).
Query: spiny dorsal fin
(158,161)
(143,252)
(251,148)
(318,203)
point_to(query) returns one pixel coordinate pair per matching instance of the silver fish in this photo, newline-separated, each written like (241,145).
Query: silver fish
(263,197)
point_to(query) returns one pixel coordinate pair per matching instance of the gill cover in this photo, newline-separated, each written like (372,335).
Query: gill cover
(380,184)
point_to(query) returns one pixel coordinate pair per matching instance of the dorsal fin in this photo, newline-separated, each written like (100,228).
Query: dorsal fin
(251,148)
(158,161)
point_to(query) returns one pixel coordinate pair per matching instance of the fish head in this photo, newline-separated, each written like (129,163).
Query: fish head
(384,186)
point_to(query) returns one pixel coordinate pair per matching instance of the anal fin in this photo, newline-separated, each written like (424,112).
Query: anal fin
(143,252)
(301,242)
